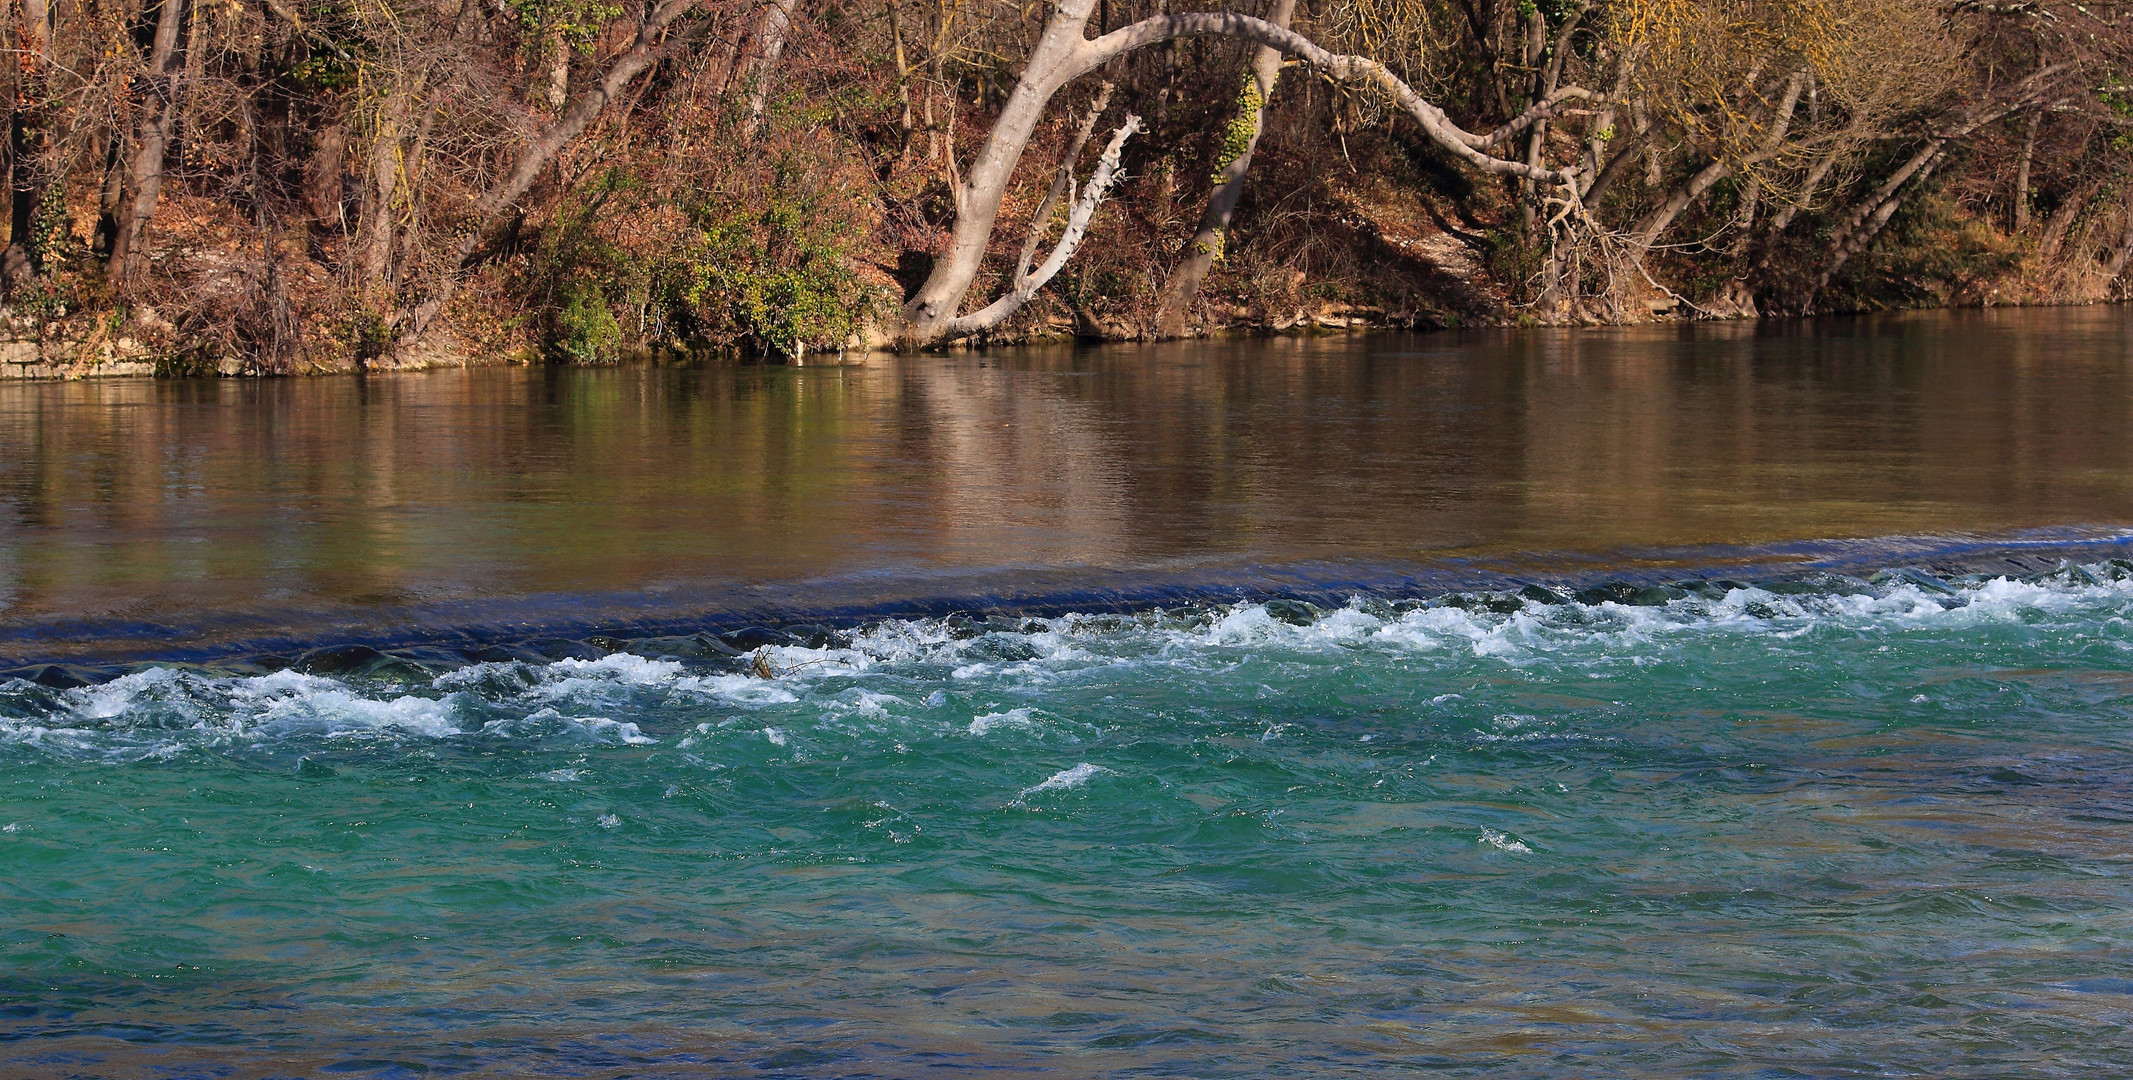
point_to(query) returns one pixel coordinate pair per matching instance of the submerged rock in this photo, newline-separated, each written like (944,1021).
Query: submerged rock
(1293,612)
(817,636)
(1187,619)
(551,649)
(1656,596)
(1907,575)
(338,660)
(688,647)
(1706,590)
(504,654)
(1378,609)
(1816,584)
(1541,594)
(51,676)
(751,638)
(999,647)
(1608,592)
(2067,573)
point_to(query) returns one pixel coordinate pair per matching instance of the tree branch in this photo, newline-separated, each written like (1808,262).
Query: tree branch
(1026,286)
(1351,69)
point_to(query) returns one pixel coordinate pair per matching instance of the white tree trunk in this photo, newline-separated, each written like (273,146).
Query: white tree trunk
(1063,54)
(769,45)
(1026,285)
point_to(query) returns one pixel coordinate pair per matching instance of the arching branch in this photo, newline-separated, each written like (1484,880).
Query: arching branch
(1064,53)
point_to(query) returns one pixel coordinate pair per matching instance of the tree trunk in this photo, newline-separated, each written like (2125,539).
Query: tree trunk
(2125,248)
(2029,154)
(1205,248)
(144,176)
(651,45)
(1841,240)
(109,194)
(1648,231)
(323,174)
(977,198)
(1655,223)
(1632,148)
(1062,181)
(769,45)
(1084,210)
(557,90)
(1867,221)
(2062,219)
(29,139)
(1062,55)
(372,264)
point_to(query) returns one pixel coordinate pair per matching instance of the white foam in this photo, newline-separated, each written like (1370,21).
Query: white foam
(627,669)
(1023,718)
(113,699)
(1501,842)
(1244,626)
(341,713)
(1064,780)
(847,692)
(739,689)
(549,723)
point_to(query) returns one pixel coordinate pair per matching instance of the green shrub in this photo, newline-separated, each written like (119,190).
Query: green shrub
(774,280)
(766,263)
(585,328)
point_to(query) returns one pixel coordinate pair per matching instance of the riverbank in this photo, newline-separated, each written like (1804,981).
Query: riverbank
(29,353)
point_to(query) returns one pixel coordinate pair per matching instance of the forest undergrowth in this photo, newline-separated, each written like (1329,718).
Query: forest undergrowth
(304,185)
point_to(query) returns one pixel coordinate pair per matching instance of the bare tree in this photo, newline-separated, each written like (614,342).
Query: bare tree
(1063,53)
(157,115)
(1239,141)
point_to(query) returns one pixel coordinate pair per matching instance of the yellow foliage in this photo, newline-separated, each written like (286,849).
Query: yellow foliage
(1717,70)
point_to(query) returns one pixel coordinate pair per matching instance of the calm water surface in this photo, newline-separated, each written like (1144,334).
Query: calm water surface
(154,517)
(1600,748)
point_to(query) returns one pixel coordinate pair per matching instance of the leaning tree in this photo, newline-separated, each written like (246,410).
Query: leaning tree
(1063,53)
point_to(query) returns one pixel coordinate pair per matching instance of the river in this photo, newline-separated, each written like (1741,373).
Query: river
(1690,701)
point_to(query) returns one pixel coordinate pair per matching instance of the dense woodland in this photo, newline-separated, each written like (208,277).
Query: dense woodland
(324,184)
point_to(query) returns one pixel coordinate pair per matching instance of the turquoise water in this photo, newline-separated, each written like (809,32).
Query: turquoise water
(1832,828)
(373,727)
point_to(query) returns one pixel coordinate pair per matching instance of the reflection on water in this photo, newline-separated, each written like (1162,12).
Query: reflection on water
(1826,827)
(171,503)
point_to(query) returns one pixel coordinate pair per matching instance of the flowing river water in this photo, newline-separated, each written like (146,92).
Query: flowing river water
(1715,701)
